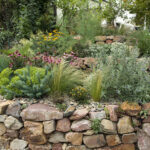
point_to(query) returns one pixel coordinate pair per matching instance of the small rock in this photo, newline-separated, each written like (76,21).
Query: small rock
(57,146)
(88,132)
(33,133)
(113,112)
(11,134)
(64,146)
(129,138)
(41,112)
(14,110)
(113,140)
(79,114)
(63,125)
(2,129)
(49,126)
(97,115)
(70,110)
(100,38)
(124,147)
(74,137)
(2,118)
(143,140)
(108,126)
(13,123)
(110,37)
(57,137)
(4,105)
(40,147)
(146,128)
(132,109)
(82,147)
(124,125)
(4,143)
(81,125)
(94,141)
(17,144)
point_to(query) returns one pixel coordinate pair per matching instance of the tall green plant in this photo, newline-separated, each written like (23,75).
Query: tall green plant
(4,62)
(94,85)
(64,78)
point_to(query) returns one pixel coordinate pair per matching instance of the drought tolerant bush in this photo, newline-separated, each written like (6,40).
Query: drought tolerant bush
(125,77)
(29,82)
(94,85)
(64,78)
(142,40)
(4,62)
(79,93)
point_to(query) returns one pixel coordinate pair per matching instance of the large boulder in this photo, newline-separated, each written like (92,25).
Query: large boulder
(124,147)
(113,140)
(132,109)
(81,125)
(17,144)
(4,105)
(125,125)
(113,112)
(33,133)
(146,128)
(129,138)
(74,137)
(40,147)
(79,114)
(143,140)
(94,141)
(49,126)
(97,115)
(57,146)
(13,123)
(57,137)
(2,129)
(41,112)
(108,126)
(63,125)
(82,147)
(14,110)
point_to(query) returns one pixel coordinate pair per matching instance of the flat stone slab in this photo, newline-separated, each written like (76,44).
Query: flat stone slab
(41,112)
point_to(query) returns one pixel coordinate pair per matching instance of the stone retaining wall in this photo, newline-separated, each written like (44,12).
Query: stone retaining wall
(109,39)
(41,127)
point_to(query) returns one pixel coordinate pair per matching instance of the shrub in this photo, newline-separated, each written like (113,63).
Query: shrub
(53,43)
(5,38)
(79,93)
(64,78)
(125,77)
(94,85)
(32,82)
(4,62)
(5,79)
(142,40)
(29,82)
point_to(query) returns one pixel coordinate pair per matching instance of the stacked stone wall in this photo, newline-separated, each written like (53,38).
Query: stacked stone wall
(41,127)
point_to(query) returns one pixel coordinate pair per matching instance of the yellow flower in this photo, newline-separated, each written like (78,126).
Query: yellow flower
(50,34)
(54,39)
(55,30)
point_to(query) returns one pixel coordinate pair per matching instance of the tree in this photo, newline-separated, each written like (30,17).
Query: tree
(142,10)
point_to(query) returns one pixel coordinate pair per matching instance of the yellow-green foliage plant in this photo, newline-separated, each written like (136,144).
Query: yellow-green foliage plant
(64,78)
(94,84)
